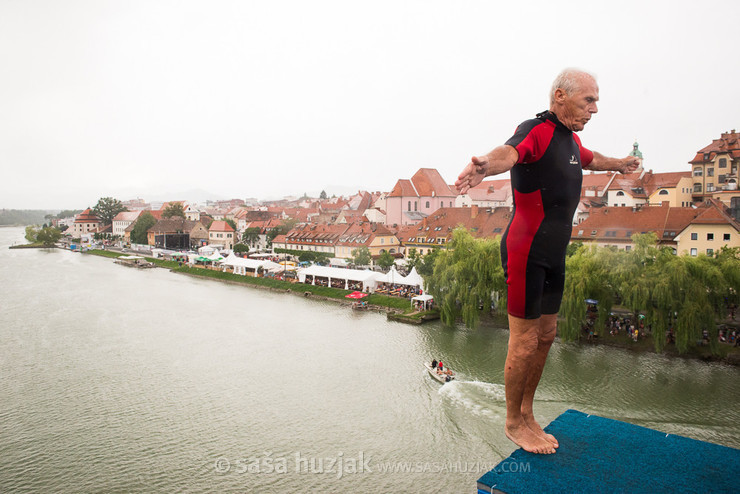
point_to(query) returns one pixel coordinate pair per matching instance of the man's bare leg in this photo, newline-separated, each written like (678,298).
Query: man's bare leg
(521,361)
(545,337)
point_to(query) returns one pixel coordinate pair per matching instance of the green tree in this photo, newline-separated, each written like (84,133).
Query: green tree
(465,276)
(240,248)
(49,236)
(323,195)
(143,224)
(427,262)
(285,227)
(174,209)
(229,222)
(32,233)
(107,208)
(68,213)
(361,256)
(589,273)
(413,259)
(251,235)
(385,260)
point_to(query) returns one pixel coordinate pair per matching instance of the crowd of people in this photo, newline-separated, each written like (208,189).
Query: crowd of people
(398,290)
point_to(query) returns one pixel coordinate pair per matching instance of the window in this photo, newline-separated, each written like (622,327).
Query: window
(723,162)
(697,188)
(693,252)
(710,252)
(382,240)
(409,209)
(628,248)
(620,193)
(663,192)
(580,232)
(428,205)
(721,179)
(726,237)
(710,187)
(710,236)
(710,172)
(415,204)
(694,236)
(698,171)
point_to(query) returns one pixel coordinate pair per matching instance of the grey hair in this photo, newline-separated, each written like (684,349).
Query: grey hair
(568,80)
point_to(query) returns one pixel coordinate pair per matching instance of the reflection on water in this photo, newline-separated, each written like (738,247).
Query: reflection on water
(114,379)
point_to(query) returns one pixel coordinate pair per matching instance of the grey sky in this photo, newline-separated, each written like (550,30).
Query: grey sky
(264,99)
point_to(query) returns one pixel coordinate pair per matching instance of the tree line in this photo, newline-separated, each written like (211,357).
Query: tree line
(673,292)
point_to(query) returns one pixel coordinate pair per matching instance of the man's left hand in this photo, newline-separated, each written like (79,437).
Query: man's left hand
(629,165)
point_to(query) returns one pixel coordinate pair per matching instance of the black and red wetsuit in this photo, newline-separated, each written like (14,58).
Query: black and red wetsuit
(546,181)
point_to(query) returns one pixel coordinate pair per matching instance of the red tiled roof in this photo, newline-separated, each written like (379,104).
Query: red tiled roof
(127,216)
(620,223)
(220,226)
(729,142)
(403,188)
(429,183)
(713,212)
(481,222)
(87,216)
(426,182)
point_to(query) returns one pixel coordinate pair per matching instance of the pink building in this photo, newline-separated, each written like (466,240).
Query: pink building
(411,201)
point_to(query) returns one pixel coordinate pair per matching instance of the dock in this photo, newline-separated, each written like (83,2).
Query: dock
(601,455)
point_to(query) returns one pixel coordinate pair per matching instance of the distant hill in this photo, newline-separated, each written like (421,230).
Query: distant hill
(23,217)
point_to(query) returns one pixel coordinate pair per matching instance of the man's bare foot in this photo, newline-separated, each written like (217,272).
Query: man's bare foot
(534,426)
(524,437)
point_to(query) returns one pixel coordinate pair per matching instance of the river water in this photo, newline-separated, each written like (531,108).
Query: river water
(121,380)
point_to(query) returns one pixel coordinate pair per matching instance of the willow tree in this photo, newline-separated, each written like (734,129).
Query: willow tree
(465,276)
(589,274)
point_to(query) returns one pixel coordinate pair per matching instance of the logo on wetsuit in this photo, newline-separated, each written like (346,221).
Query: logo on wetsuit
(573,160)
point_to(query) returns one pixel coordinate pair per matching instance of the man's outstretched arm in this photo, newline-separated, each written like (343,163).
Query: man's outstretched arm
(623,165)
(500,160)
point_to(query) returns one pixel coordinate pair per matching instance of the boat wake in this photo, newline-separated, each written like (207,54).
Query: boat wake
(480,398)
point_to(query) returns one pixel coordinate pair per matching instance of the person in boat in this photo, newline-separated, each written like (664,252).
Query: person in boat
(434,364)
(545,158)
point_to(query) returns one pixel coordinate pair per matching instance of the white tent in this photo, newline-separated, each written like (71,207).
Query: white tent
(423,299)
(367,277)
(392,277)
(414,279)
(247,266)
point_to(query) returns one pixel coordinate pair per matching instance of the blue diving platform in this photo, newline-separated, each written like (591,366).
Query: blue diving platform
(598,455)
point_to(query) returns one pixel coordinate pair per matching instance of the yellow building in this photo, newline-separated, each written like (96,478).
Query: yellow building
(714,170)
(712,229)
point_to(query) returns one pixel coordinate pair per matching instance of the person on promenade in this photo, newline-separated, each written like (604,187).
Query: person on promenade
(546,159)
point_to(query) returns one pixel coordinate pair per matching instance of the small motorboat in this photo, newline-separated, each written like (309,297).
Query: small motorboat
(443,376)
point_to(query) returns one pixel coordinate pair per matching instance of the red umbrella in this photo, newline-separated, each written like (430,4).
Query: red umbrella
(356,295)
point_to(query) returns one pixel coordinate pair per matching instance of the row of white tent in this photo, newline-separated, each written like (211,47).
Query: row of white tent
(369,279)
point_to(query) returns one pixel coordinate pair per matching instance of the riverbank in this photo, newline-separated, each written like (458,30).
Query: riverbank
(32,246)
(396,306)
(375,301)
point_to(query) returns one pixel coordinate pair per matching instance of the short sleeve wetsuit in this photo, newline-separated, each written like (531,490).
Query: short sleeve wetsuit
(546,182)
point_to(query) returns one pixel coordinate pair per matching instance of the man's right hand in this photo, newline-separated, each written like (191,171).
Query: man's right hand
(472,175)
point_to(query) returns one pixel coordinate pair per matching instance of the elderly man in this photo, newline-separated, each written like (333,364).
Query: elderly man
(546,159)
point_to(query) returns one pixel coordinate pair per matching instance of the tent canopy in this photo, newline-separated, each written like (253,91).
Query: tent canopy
(339,273)
(254,264)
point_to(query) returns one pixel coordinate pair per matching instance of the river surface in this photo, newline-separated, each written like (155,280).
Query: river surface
(121,380)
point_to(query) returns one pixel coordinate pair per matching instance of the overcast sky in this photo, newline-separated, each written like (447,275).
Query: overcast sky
(235,99)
